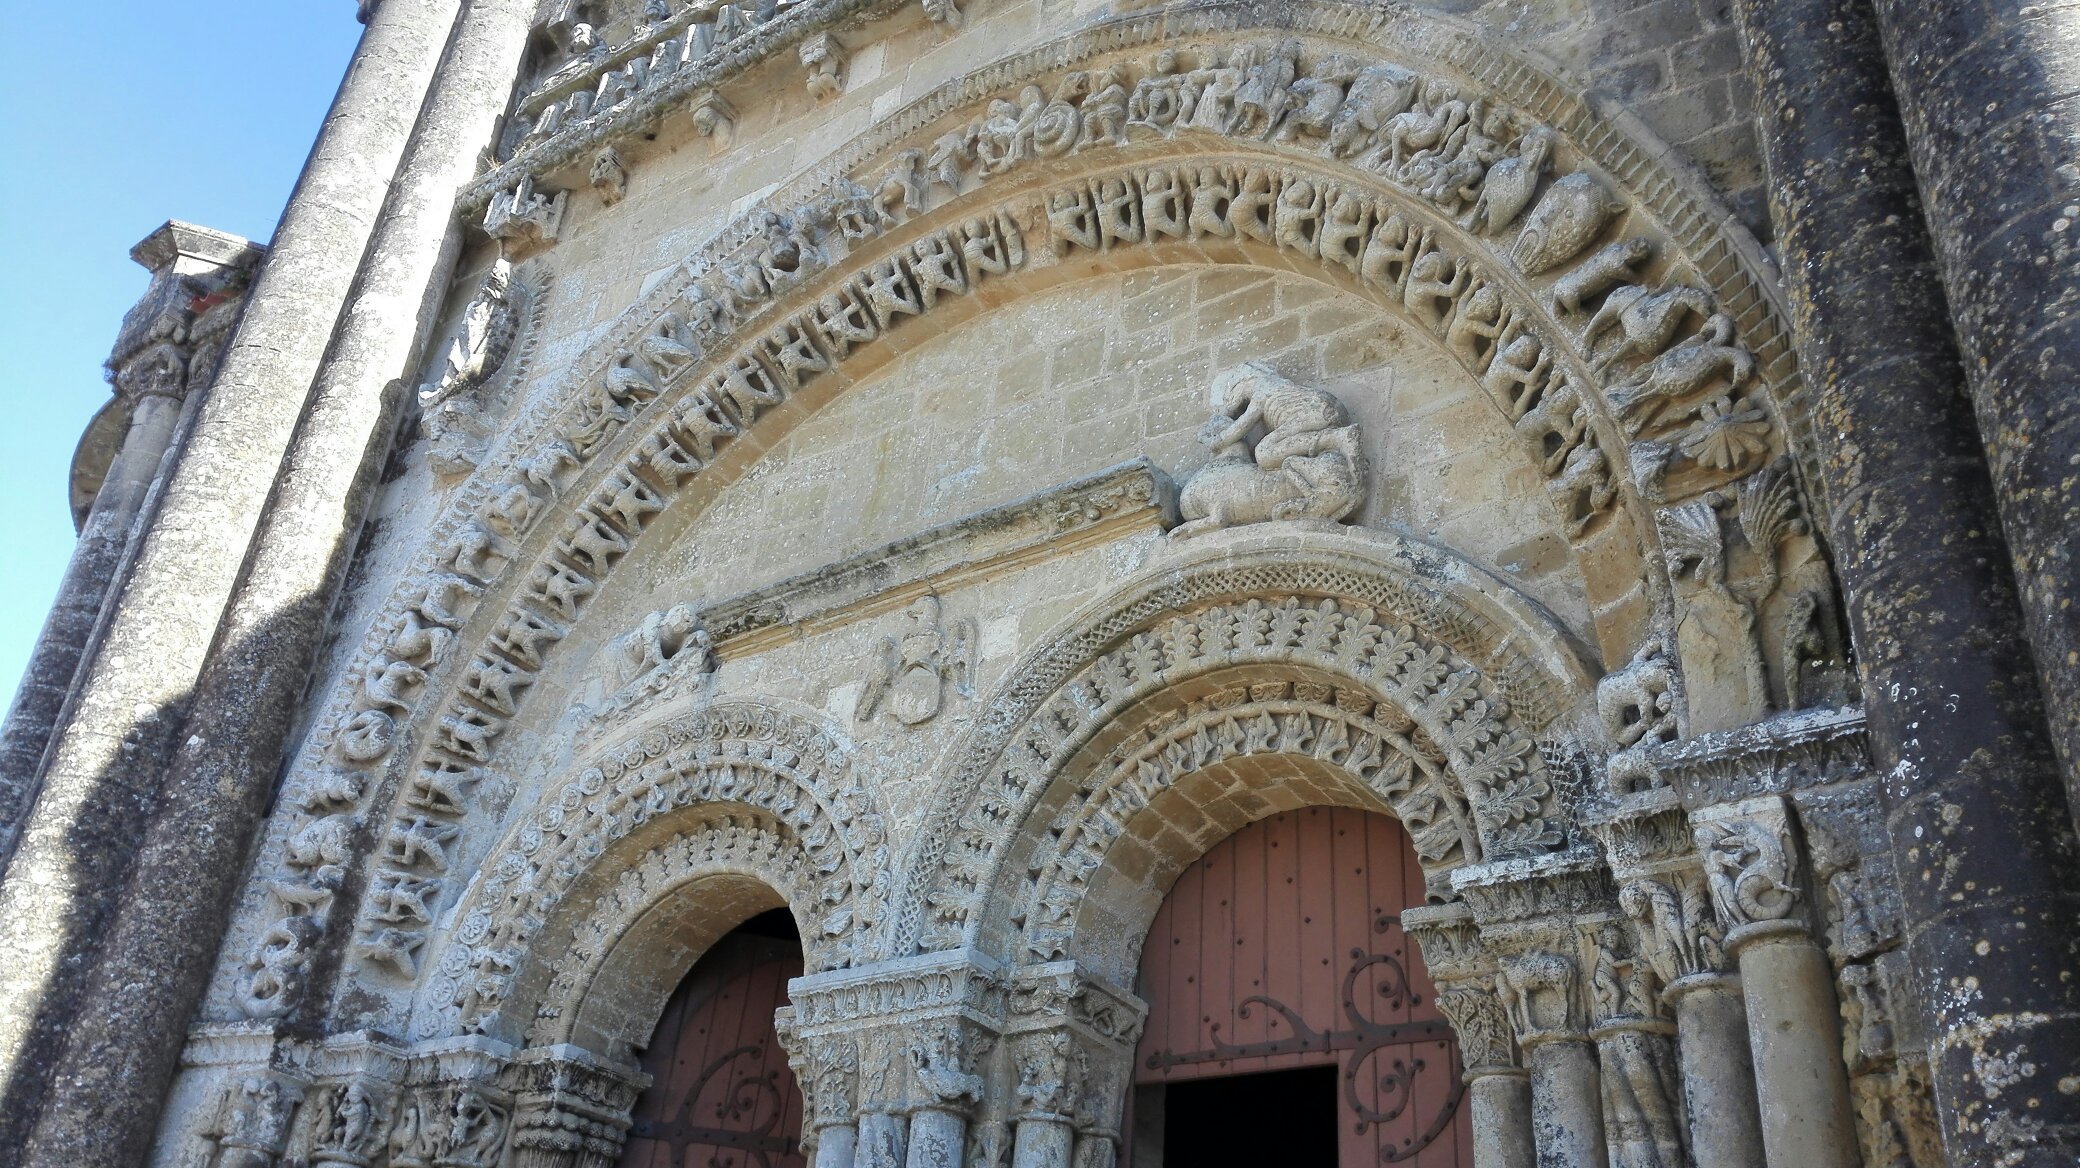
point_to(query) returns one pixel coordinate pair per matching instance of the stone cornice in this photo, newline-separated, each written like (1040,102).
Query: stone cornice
(1092,509)
(1809,748)
(643,110)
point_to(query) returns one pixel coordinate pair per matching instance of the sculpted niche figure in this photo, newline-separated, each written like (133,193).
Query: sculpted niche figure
(1306,465)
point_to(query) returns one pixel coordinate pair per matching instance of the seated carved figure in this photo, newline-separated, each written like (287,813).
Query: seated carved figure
(1307,464)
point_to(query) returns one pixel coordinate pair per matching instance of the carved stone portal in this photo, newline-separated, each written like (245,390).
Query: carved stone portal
(1305,464)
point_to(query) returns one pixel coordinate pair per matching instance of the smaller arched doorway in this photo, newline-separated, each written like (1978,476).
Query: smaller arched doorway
(721,1093)
(1290,1019)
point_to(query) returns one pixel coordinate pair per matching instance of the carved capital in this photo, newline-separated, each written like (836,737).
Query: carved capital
(570,1109)
(1751,867)
(1485,1040)
(253,1119)
(1541,994)
(943,1057)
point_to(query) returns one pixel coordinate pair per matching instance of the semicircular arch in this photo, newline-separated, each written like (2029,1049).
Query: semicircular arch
(739,797)
(1448,700)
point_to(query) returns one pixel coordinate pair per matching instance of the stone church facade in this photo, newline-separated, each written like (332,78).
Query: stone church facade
(976,508)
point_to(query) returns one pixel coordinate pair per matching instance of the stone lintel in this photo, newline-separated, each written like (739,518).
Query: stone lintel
(1809,748)
(1088,510)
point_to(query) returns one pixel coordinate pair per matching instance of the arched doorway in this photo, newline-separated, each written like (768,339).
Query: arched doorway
(721,1094)
(1286,1005)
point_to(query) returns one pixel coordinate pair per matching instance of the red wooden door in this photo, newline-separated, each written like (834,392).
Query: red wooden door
(1282,948)
(722,1095)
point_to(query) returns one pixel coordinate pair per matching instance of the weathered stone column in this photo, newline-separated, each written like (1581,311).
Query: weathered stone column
(882,1136)
(1984,89)
(101,776)
(1718,1070)
(1977,823)
(157,357)
(1794,1028)
(570,1109)
(1532,915)
(1661,888)
(156,959)
(1498,1090)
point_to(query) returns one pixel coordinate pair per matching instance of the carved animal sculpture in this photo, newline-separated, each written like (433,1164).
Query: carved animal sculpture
(1572,214)
(1610,266)
(1308,464)
(1378,94)
(1680,373)
(1512,181)
(1646,322)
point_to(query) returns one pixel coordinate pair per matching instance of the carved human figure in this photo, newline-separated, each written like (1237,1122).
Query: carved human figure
(1307,465)
(662,639)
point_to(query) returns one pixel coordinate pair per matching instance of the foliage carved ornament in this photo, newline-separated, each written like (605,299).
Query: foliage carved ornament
(1378,659)
(1389,181)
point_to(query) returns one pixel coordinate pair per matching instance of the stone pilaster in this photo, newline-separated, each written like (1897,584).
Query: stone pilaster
(155,960)
(104,765)
(1957,724)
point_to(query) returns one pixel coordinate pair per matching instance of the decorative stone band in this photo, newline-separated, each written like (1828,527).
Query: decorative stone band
(1091,509)
(1809,748)
(454,1103)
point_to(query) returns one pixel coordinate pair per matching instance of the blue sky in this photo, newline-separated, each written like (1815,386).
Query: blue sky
(121,115)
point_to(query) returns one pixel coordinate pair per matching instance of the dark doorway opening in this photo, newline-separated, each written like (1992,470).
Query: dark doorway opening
(1287,1118)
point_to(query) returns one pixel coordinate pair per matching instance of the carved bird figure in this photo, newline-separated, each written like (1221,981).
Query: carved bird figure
(1572,214)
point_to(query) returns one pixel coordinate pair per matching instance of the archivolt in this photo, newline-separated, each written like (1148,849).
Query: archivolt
(1429,683)
(783,309)
(740,789)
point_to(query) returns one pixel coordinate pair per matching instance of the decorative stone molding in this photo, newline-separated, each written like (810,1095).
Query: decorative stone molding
(1471,777)
(1130,496)
(781,806)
